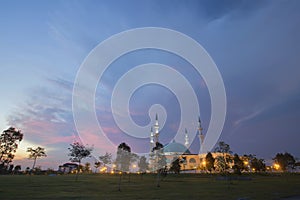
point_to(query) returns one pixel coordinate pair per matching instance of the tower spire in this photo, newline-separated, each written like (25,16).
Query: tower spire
(156,129)
(201,135)
(186,139)
(151,139)
(151,135)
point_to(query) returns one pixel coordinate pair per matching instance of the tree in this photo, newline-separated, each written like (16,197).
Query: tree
(38,170)
(238,164)
(10,168)
(123,157)
(27,170)
(210,162)
(17,169)
(257,164)
(78,152)
(87,167)
(36,153)
(221,165)
(175,166)
(159,157)
(106,159)
(285,160)
(247,160)
(224,149)
(133,158)
(160,161)
(142,164)
(97,165)
(8,145)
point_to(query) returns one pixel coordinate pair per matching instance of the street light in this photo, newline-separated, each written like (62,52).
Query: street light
(133,166)
(276,166)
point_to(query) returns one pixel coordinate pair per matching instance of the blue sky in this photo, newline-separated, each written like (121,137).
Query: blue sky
(255,45)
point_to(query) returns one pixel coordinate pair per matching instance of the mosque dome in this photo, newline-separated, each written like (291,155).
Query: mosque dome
(176,148)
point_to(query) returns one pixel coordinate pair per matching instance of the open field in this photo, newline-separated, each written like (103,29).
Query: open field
(183,186)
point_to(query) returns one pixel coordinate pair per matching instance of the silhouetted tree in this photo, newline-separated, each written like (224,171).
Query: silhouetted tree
(80,168)
(78,152)
(221,165)
(158,146)
(285,160)
(50,171)
(17,169)
(246,161)
(106,159)
(223,148)
(133,158)
(159,157)
(210,162)
(36,153)
(175,166)
(10,169)
(27,170)
(160,161)
(142,164)
(87,167)
(38,170)
(238,164)
(123,157)
(97,165)
(257,164)
(8,145)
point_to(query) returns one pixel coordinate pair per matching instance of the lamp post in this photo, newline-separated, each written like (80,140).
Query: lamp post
(134,167)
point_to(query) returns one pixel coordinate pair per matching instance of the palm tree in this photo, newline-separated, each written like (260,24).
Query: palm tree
(36,153)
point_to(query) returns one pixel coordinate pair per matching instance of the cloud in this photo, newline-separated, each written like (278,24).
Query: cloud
(256,55)
(248,117)
(214,9)
(254,44)
(47,119)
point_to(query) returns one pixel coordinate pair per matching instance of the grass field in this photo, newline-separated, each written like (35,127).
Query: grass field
(183,186)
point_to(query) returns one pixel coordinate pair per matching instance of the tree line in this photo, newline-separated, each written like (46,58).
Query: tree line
(223,162)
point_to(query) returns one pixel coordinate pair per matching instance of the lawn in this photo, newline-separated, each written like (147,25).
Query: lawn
(183,186)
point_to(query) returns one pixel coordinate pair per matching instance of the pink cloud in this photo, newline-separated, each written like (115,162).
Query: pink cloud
(111,130)
(61,139)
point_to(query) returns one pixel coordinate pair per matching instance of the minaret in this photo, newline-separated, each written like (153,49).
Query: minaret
(201,135)
(186,139)
(152,145)
(156,129)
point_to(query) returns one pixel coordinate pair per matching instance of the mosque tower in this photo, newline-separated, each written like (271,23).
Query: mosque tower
(201,135)
(152,145)
(154,137)
(186,137)
(156,129)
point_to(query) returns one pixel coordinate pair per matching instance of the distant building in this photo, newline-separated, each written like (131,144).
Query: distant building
(68,168)
(173,150)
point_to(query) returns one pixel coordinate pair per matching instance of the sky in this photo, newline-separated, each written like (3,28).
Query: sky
(254,45)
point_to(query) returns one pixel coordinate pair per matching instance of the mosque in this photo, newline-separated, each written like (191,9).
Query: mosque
(175,150)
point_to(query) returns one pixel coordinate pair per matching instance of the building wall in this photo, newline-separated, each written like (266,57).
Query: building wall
(192,161)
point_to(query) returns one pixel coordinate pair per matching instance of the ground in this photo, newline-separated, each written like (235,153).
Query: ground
(183,186)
